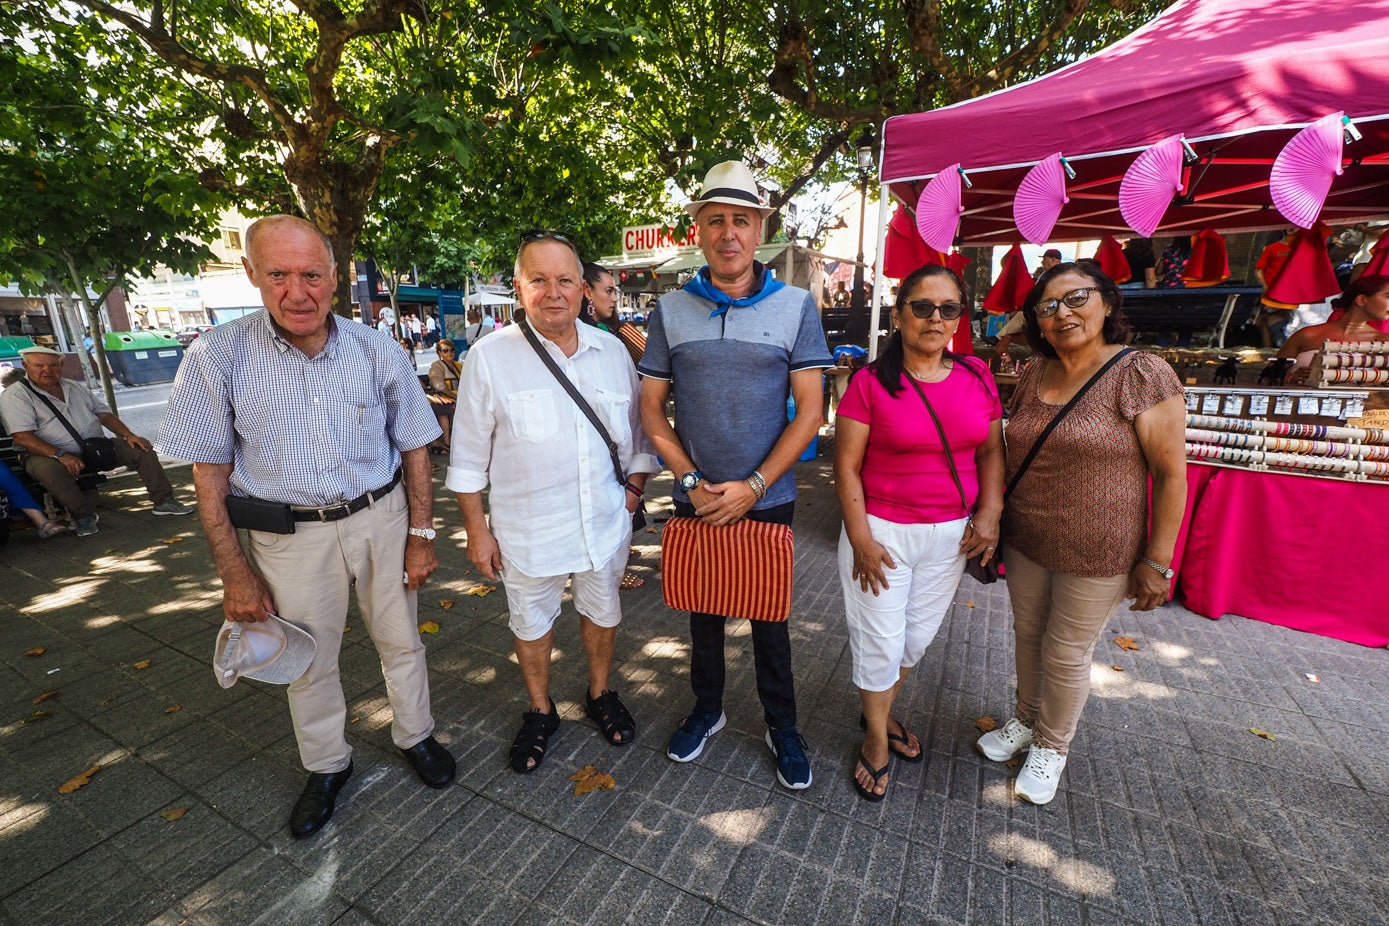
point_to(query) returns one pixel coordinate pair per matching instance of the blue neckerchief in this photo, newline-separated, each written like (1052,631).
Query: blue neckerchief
(700,285)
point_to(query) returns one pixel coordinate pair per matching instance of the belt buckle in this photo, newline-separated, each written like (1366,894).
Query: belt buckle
(335,512)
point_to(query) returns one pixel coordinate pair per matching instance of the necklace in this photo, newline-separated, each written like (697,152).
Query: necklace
(933,376)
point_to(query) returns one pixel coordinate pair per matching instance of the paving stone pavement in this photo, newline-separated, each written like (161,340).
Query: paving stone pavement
(1170,812)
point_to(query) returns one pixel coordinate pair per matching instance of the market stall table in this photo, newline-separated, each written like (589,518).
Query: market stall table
(1300,552)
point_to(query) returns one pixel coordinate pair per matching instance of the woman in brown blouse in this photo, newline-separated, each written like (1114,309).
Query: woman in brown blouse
(1076,535)
(443,388)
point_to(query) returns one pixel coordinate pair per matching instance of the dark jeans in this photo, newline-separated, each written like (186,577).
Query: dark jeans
(771,648)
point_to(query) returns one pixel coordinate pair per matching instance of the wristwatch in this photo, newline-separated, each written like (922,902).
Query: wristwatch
(59,454)
(426,532)
(690,481)
(1167,572)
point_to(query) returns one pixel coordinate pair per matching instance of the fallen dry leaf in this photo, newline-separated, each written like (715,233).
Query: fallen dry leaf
(38,715)
(1117,668)
(970,604)
(589,779)
(172,540)
(1013,764)
(80,781)
(172,709)
(985,724)
(1264,733)
(482,591)
(1126,643)
(347,630)
(44,697)
(354,720)
(143,664)
(446,603)
(36,651)
(429,627)
(595,783)
(172,815)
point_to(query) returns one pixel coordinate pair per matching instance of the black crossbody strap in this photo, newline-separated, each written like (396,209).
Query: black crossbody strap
(57,414)
(1051,426)
(579,400)
(945,443)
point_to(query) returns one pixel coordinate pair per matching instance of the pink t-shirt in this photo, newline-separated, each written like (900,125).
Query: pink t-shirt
(905,473)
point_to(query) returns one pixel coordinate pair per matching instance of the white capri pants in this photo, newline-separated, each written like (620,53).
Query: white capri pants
(534,601)
(890,632)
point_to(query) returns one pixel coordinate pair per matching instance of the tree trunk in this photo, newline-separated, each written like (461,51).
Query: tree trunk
(94,322)
(334,196)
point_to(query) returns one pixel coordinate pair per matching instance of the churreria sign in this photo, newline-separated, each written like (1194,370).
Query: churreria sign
(639,240)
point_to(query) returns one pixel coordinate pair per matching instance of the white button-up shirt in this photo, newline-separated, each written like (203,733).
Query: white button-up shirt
(555,503)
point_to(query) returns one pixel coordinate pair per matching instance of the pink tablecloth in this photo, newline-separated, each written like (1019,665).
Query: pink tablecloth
(1311,554)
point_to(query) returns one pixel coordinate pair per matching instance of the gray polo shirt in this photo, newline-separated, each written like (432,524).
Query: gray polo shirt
(731,376)
(24,411)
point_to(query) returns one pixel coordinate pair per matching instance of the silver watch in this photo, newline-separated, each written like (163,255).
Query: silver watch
(426,532)
(1167,572)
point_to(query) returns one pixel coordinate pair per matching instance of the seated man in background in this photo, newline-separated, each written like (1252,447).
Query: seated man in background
(51,454)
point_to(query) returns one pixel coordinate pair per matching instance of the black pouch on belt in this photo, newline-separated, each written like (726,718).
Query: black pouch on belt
(256,514)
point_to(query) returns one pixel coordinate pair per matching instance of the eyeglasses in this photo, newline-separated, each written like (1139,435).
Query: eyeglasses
(445,350)
(925,308)
(544,234)
(1073,300)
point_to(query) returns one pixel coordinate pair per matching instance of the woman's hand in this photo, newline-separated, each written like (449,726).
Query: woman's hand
(869,559)
(1147,587)
(981,536)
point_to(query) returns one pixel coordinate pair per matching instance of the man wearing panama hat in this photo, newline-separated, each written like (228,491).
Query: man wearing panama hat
(738,341)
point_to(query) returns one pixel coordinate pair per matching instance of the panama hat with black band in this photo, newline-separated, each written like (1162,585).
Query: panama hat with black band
(731,183)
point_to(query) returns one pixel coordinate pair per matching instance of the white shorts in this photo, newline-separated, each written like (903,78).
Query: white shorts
(890,632)
(534,600)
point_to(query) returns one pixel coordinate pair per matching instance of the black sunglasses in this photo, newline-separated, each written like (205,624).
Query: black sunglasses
(925,308)
(544,234)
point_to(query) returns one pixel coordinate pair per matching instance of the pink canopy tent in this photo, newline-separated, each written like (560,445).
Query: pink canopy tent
(1237,78)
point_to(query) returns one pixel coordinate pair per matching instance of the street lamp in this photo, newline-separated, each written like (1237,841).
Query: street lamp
(864,153)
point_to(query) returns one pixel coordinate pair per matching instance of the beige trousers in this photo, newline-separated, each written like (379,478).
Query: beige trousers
(1057,620)
(309,573)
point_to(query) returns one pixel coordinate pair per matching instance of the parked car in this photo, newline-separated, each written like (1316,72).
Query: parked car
(186,335)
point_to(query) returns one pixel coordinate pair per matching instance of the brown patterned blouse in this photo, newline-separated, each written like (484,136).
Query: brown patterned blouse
(1082,506)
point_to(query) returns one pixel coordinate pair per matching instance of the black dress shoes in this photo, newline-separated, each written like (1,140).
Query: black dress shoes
(432,762)
(315,805)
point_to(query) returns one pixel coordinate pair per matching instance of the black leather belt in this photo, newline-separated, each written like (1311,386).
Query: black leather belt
(346,509)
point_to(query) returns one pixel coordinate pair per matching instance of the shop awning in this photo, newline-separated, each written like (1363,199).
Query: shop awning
(1237,78)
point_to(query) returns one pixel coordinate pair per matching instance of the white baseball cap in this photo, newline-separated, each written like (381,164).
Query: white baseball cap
(38,349)
(273,650)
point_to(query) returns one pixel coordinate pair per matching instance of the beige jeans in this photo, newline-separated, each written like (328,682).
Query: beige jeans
(308,574)
(1057,620)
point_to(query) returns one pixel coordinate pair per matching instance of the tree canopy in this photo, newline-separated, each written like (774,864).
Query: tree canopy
(454,125)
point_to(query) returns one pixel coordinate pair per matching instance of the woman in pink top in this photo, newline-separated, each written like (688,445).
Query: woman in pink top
(907,531)
(1078,538)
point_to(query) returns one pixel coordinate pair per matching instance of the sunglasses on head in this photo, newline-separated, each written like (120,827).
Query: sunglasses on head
(544,234)
(1073,300)
(925,308)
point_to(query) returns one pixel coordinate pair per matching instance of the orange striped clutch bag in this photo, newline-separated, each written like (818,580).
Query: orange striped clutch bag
(742,570)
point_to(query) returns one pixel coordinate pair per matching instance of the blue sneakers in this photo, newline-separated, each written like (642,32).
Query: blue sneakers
(792,766)
(687,742)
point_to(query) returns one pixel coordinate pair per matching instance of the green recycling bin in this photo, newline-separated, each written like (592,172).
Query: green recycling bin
(138,358)
(10,348)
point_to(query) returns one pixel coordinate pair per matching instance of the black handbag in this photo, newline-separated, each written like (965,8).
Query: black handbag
(98,453)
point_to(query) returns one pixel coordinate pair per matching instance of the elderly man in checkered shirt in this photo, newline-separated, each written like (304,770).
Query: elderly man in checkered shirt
(305,425)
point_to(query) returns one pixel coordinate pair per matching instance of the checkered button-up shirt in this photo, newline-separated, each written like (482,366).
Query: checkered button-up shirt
(299,430)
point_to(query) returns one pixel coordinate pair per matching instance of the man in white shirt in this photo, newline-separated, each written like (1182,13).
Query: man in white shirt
(478,327)
(559,509)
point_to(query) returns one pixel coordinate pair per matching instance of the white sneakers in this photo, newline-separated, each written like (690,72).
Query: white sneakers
(1002,745)
(1040,775)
